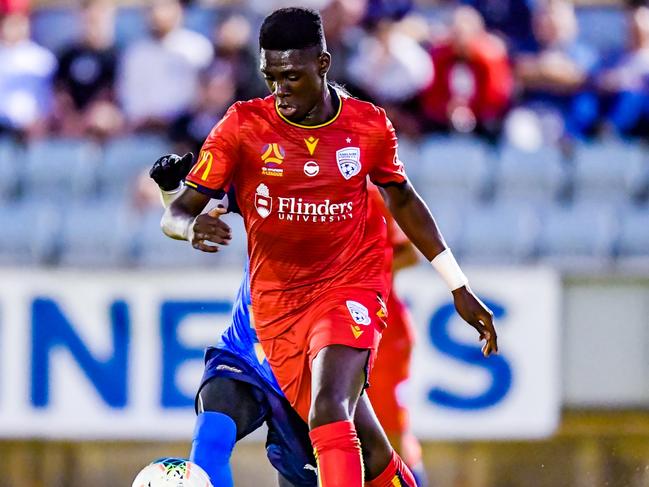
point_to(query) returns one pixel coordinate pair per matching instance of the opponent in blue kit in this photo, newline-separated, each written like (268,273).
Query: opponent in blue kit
(238,392)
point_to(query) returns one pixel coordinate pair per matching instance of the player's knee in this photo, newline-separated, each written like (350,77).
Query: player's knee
(329,407)
(216,430)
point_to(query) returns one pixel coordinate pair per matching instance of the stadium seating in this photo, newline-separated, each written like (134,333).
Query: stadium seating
(608,171)
(125,158)
(9,169)
(451,169)
(28,233)
(632,246)
(92,226)
(499,234)
(579,236)
(60,169)
(96,235)
(533,177)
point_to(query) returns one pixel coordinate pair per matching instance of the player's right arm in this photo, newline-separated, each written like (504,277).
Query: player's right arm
(209,178)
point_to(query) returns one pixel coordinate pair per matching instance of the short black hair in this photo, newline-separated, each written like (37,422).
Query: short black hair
(292,28)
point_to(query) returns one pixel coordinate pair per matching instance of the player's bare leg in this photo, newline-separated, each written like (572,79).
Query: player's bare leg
(338,376)
(382,463)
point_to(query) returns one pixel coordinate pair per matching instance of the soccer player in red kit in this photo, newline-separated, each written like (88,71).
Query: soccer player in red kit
(299,160)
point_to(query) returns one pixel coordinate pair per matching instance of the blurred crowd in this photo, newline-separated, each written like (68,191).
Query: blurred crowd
(513,69)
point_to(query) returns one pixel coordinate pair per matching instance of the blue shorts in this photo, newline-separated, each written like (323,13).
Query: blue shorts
(287,445)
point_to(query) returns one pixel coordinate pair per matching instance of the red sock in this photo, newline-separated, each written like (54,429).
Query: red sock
(396,474)
(338,453)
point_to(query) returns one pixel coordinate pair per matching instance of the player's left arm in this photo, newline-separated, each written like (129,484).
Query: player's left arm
(417,222)
(415,219)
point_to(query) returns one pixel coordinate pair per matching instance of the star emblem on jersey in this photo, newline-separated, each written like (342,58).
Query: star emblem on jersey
(311,168)
(311,144)
(263,201)
(360,314)
(349,161)
(272,156)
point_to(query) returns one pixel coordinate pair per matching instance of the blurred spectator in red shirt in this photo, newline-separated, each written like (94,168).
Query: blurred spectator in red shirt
(158,78)
(473,83)
(624,86)
(85,81)
(26,71)
(14,6)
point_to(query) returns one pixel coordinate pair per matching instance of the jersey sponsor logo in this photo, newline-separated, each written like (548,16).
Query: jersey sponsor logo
(349,161)
(360,313)
(311,144)
(300,210)
(205,160)
(311,168)
(263,201)
(272,156)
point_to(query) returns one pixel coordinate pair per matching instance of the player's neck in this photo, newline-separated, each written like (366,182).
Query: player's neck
(325,110)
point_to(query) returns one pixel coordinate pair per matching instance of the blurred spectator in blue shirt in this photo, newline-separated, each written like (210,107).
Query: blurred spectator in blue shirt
(553,77)
(510,19)
(158,78)
(624,85)
(26,71)
(85,80)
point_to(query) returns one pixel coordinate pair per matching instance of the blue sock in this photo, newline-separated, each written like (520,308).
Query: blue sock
(214,438)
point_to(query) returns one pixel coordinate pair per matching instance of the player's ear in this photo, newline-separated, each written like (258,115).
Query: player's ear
(325,63)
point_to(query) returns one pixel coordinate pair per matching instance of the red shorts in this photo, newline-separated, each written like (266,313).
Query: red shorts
(345,316)
(392,367)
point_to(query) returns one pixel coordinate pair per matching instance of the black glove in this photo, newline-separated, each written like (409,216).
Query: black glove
(170,170)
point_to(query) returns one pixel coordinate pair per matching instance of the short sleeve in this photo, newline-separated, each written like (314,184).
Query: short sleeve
(213,170)
(388,169)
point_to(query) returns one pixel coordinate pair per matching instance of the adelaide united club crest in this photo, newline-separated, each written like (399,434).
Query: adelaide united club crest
(349,161)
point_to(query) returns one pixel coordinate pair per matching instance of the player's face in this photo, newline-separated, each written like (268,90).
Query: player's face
(297,80)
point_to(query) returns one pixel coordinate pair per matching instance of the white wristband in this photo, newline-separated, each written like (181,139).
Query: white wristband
(178,228)
(448,268)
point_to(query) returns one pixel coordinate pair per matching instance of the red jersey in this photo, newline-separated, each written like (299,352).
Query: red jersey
(302,191)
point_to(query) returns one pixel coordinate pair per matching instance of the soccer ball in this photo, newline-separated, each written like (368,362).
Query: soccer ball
(172,472)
